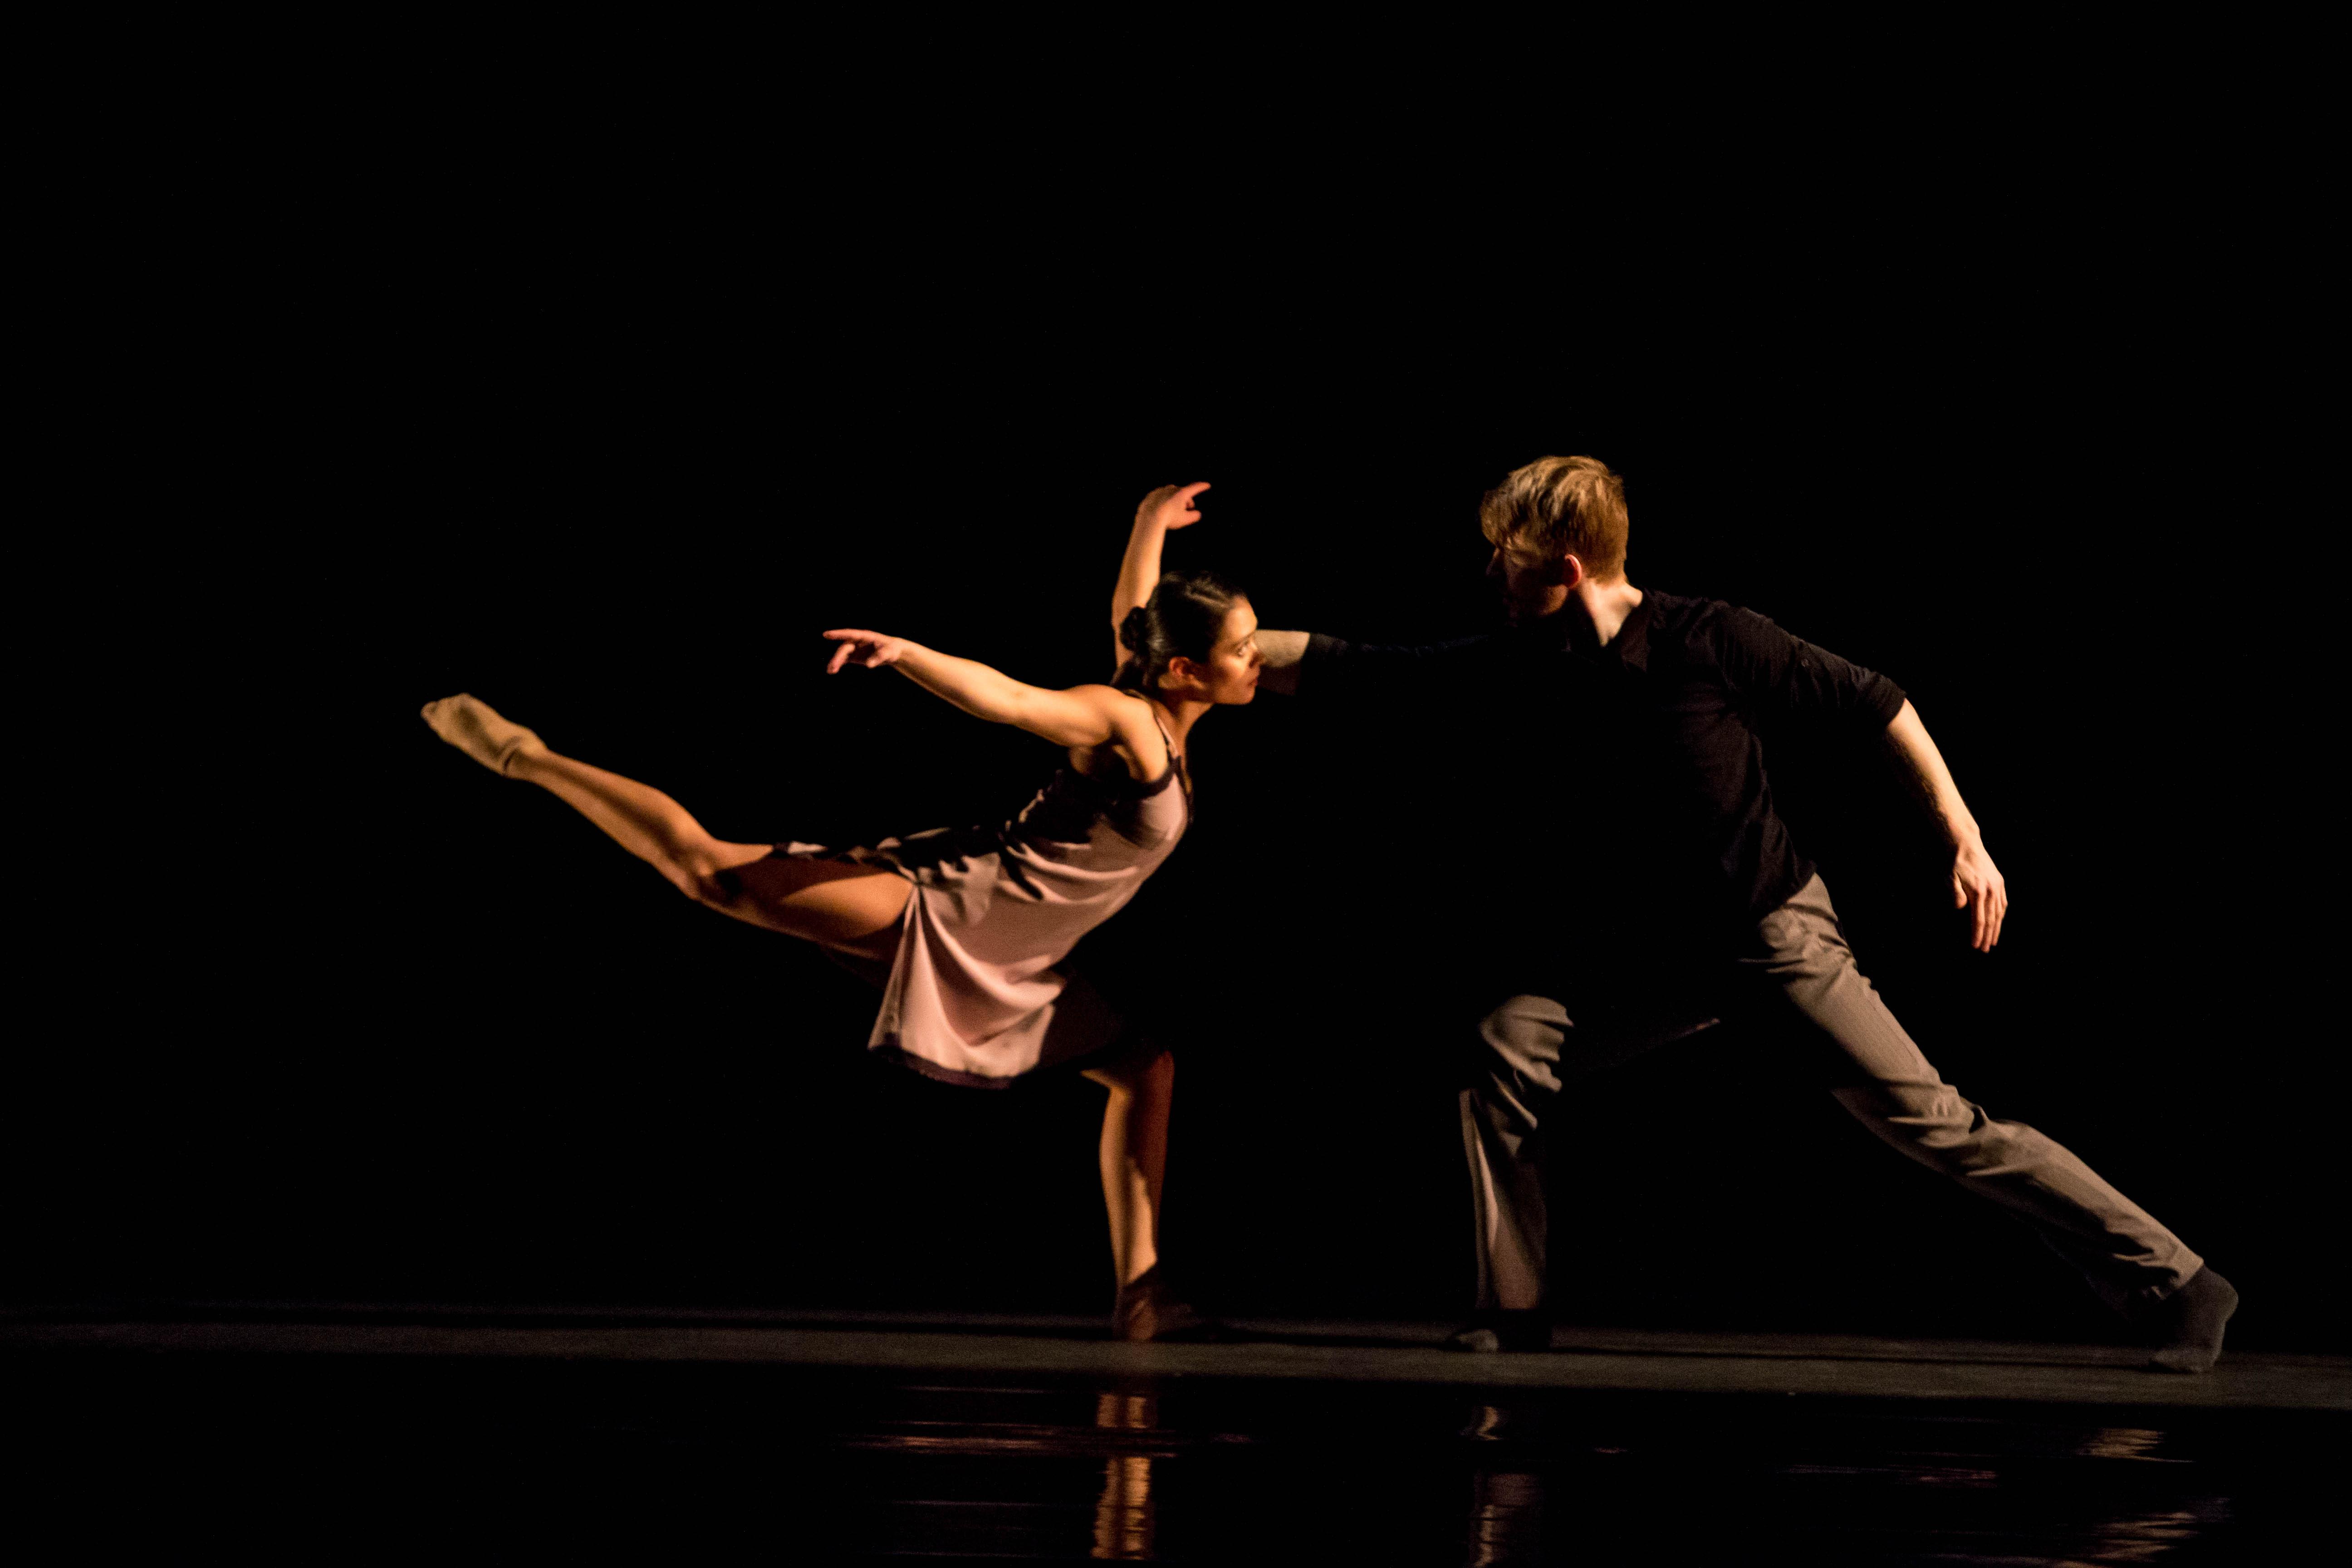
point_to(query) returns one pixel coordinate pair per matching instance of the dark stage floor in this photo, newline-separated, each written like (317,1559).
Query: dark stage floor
(326,1434)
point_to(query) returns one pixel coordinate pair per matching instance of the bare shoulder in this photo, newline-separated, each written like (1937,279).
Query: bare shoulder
(1112,703)
(1134,732)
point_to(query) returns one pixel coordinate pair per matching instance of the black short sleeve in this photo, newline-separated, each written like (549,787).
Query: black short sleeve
(1776,672)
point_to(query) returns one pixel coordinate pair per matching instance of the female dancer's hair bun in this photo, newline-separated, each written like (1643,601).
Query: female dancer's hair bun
(1181,620)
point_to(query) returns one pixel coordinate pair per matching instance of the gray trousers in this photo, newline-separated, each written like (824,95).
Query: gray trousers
(1801,964)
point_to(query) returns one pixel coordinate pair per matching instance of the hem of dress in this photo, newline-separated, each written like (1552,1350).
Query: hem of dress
(932,1069)
(1125,1040)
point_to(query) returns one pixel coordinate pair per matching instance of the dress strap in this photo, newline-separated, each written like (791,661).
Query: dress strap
(1175,758)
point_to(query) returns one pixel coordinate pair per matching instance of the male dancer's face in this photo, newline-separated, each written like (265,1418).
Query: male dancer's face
(1532,584)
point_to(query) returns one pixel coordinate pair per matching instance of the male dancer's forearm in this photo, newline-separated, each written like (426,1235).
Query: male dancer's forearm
(1279,653)
(1922,769)
(1977,882)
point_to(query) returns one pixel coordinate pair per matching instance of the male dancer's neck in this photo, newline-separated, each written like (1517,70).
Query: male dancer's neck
(1594,613)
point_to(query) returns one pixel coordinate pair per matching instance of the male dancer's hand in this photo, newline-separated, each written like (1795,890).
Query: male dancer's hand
(870,649)
(1977,885)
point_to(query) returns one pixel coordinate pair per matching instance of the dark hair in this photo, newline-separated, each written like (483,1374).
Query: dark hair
(1181,620)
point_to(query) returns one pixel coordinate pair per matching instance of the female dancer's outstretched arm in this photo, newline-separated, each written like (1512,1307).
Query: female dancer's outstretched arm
(1079,716)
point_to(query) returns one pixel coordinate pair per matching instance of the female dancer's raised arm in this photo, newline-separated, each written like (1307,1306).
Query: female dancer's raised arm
(1163,510)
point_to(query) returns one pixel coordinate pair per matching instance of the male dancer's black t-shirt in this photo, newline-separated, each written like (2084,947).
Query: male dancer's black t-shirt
(1631,780)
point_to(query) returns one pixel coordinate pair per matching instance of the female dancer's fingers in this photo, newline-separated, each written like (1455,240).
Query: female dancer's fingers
(1180,511)
(850,641)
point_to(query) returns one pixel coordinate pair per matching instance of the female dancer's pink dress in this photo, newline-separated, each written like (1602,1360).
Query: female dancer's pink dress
(975,994)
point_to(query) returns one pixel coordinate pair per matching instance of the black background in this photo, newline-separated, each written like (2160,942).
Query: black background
(331,1014)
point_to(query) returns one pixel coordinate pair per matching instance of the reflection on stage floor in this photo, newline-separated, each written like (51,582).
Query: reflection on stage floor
(813,1456)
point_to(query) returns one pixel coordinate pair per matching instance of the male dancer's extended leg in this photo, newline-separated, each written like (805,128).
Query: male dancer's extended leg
(2136,1265)
(855,908)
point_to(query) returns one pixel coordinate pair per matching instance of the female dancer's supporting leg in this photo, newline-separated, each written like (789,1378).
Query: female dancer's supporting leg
(854,908)
(1142,1085)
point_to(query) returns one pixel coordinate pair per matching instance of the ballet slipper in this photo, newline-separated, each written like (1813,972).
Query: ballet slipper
(476,728)
(1149,1311)
(1493,1330)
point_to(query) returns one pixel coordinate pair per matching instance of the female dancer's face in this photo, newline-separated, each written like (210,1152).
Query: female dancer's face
(1231,674)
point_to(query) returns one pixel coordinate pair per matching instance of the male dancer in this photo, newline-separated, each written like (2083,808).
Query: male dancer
(1641,716)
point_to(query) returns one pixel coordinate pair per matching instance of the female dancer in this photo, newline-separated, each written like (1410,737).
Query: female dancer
(966,929)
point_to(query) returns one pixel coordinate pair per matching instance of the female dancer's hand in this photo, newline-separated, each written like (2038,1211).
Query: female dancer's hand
(1171,506)
(872,649)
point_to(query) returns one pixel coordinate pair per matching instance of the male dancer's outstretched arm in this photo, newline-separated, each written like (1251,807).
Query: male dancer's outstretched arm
(1281,652)
(1359,666)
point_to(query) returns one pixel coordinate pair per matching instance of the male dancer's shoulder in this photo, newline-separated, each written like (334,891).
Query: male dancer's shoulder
(1678,620)
(1717,622)
(1690,609)
(1728,642)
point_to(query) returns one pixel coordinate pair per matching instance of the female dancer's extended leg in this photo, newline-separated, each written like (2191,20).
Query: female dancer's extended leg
(855,908)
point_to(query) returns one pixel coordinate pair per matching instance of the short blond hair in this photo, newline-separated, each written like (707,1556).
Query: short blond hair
(1561,506)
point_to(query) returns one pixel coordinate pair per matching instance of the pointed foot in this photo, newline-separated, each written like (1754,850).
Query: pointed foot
(480,730)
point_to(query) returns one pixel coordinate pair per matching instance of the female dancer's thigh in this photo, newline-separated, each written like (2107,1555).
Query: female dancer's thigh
(834,903)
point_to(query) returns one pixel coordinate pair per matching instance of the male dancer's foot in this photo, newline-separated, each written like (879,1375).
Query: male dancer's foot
(476,728)
(1499,1329)
(2187,1325)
